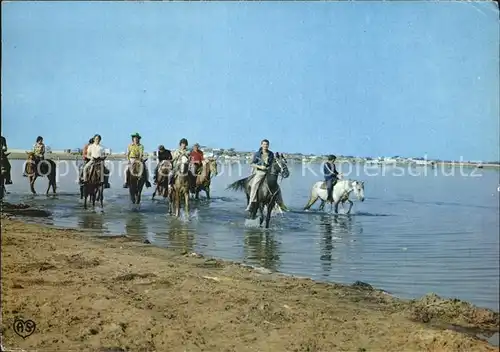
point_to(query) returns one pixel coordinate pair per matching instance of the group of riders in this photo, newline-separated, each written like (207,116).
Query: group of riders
(135,152)
(94,152)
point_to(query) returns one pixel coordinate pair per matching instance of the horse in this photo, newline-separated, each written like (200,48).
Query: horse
(164,169)
(180,188)
(201,182)
(3,173)
(137,180)
(340,194)
(268,189)
(94,188)
(45,167)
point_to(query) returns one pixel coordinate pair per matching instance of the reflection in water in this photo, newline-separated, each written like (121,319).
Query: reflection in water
(135,226)
(262,247)
(92,221)
(180,237)
(333,228)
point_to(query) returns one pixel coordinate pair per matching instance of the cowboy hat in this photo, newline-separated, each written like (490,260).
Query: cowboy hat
(136,135)
(161,147)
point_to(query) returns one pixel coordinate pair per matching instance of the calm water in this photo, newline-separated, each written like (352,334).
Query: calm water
(412,235)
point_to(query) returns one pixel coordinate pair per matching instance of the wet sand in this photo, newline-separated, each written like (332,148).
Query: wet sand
(87,293)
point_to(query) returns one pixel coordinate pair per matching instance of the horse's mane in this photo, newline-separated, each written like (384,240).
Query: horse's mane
(136,168)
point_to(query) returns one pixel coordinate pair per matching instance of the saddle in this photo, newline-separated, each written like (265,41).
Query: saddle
(93,169)
(131,166)
(323,184)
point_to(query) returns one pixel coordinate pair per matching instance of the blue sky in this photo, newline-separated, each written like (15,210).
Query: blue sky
(352,78)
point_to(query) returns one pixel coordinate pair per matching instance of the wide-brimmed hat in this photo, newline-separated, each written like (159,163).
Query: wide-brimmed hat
(196,145)
(183,141)
(161,147)
(332,157)
(136,135)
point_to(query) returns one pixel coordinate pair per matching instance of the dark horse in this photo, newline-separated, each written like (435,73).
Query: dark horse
(3,172)
(268,189)
(137,180)
(94,187)
(162,179)
(45,167)
(201,181)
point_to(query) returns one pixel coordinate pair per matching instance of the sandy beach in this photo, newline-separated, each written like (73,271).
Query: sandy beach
(88,293)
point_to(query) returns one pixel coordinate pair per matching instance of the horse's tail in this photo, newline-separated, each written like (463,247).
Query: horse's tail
(312,199)
(238,185)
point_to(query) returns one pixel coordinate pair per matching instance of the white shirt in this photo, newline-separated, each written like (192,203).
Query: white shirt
(95,151)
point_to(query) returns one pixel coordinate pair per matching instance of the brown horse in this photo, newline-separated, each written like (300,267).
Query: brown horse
(137,180)
(45,167)
(3,173)
(180,188)
(201,182)
(94,188)
(162,179)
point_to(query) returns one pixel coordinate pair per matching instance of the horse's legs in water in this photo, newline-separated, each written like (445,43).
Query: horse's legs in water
(186,202)
(32,179)
(207,191)
(85,195)
(261,210)
(177,203)
(322,205)
(101,196)
(314,197)
(336,206)
(350,206)
(270,208)
(156,189)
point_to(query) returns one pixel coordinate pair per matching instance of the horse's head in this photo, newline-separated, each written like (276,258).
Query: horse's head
(212,164)
(30,155)
(279,166)
(165,166)
(183,165)
(358,188)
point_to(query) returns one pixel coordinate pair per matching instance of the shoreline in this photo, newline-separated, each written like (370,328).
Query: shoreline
(118,157)
(94,292)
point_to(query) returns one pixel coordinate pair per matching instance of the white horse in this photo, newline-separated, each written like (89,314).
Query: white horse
(340,194)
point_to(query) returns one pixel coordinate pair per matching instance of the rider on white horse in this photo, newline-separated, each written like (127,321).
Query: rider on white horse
(331,176)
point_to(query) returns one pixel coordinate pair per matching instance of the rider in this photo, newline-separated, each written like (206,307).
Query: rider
(163,154)
(135,151)
(38,152)
(3,146)
(262,159)
(196,158)
(39,149)
(84,156)
(85,148)
(94,151)
(331,176)
(178,153)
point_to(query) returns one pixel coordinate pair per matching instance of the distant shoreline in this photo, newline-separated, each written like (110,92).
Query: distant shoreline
(120,157)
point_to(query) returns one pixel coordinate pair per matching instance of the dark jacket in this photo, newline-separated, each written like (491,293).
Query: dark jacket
(330,171)
(164,155)
(257,158)
(3,143)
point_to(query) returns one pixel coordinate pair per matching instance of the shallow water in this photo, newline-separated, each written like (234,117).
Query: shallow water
(429,230)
